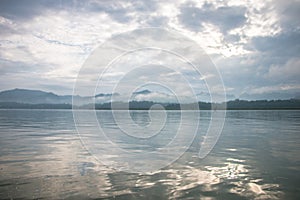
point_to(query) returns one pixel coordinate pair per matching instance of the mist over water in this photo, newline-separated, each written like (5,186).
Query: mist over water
(256,157)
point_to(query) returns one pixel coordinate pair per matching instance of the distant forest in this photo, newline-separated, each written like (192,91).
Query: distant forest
(145,105)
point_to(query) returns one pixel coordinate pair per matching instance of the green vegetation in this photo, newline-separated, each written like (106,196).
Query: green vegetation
(146,105)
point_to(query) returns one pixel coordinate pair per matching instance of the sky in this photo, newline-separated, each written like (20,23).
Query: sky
(255,44)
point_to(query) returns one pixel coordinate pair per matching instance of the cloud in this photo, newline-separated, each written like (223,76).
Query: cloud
(281,45)
(289,13)
(253,43)
(274,88)
(118,10)
(54,54)
(226,18)
(23,10)
(289,72)
(157,97)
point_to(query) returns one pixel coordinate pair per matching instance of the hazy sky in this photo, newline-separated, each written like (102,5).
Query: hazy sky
(255,44)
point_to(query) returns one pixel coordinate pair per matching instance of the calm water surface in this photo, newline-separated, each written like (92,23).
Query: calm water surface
(256,157)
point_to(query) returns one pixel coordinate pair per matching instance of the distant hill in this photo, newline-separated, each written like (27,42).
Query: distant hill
(36,99)
(142,92)
(33,97)
(25,96)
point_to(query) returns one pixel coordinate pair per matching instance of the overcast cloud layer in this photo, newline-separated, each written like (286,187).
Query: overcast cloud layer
(255,44)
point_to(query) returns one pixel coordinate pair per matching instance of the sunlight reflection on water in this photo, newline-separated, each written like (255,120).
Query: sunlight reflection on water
(42,157)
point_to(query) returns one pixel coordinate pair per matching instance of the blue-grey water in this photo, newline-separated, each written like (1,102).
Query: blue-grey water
(256,157)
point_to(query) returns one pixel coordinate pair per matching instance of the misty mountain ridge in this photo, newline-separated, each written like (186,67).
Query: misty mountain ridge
(32,97)
(27,96)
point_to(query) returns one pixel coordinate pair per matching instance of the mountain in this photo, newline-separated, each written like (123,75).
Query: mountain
(206,97)
(267,96)
(142,92)
(33,97)
(41,97)
(25,96)
(37,99)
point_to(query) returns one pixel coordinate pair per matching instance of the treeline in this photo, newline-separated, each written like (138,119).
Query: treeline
(146,105)
(230,105)
(263,104)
